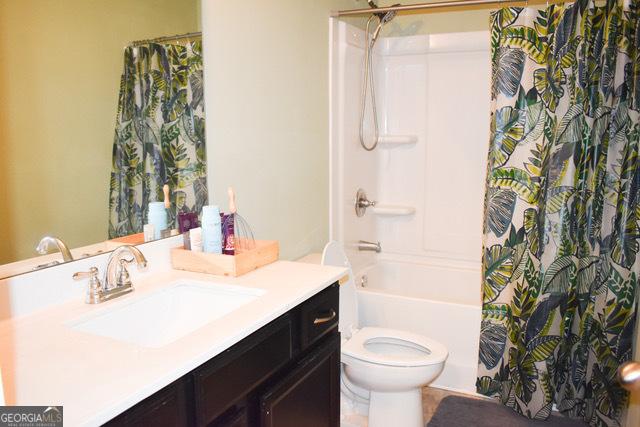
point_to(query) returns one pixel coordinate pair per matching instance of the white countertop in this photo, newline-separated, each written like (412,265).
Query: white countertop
(45,362)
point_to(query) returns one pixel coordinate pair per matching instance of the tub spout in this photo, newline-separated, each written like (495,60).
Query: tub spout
(363,245)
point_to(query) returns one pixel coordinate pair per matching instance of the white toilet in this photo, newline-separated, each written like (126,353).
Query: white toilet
(383,370)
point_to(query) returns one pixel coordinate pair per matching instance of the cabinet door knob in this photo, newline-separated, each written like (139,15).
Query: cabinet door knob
(325,319)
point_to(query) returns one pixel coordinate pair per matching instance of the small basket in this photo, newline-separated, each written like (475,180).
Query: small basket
(265,252)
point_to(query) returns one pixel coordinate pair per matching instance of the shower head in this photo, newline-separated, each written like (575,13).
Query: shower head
(389,15)
(384,19)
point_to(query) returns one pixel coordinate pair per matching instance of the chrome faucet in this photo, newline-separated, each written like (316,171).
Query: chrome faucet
(116,274)
(46,241)
(363,245)
(116,281)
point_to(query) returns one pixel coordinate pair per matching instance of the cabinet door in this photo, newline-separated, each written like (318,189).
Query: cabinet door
(229,377)
(310,394)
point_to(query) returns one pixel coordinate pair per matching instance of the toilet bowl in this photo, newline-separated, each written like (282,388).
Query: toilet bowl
(384,369)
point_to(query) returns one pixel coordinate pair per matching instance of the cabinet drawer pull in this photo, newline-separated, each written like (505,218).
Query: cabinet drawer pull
(320,320)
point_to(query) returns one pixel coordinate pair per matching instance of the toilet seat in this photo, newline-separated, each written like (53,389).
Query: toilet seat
(393,347)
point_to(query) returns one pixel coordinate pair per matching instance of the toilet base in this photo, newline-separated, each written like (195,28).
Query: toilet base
(396,409)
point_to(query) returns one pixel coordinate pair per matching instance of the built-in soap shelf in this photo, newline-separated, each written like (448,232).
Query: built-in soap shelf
(393,210)
(391,141)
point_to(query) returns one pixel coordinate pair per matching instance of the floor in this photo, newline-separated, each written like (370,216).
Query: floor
(431,397)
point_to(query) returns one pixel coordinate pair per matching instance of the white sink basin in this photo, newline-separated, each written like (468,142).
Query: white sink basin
(168,314)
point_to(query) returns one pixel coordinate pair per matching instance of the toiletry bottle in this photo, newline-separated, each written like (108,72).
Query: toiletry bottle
(187,221)
(228,233)
(149,232)
(228,229)
(195,239)
(211,230)
(157,216)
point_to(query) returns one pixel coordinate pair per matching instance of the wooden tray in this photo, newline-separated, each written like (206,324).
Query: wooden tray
(265,252)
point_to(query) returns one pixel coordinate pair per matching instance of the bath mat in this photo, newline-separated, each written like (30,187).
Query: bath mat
(457,411)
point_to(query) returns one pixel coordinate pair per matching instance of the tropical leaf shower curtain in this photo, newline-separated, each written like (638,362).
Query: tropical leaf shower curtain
(159,137)
(562,231)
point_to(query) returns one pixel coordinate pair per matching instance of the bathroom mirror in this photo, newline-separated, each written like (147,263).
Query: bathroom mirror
(60,71)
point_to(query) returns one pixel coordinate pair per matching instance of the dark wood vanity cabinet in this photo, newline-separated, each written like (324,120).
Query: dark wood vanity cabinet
(285,374)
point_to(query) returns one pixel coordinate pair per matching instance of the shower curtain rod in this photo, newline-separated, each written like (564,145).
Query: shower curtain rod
(436,5)
(167,38)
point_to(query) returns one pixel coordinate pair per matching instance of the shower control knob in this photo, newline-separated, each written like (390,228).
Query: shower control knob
(362,203)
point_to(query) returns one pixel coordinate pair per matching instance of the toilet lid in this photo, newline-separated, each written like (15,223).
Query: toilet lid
(394,348)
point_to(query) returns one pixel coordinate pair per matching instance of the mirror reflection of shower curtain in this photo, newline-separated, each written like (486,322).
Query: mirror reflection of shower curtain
(159,136)
(562,210)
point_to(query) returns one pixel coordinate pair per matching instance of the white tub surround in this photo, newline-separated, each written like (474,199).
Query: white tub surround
(427,176)
(430,189)
(44,361)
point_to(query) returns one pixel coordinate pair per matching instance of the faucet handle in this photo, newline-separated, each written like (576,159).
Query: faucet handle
(122,274)
(91,274)
(95,286)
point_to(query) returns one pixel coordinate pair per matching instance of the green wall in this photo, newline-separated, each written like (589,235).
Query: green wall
(267,100)
(60,66)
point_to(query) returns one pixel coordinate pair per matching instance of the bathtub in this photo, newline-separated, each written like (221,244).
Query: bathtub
(440,302)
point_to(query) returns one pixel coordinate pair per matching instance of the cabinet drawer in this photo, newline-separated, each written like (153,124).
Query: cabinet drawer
(319,315)
(229,377)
